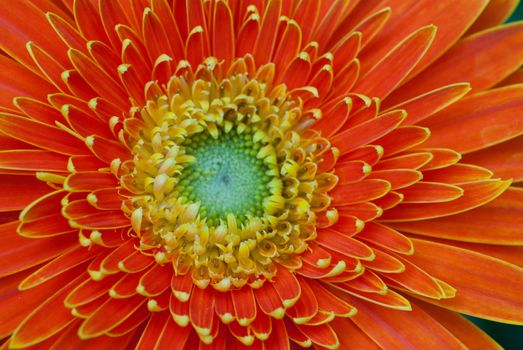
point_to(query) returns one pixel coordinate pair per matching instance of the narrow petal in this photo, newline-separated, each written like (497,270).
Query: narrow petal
(468,333)
(471,120)
(429,332)
(430,192)
(504,159)
(18,191)
(57,266)
(109,315)
(390,71)
(423,106)
(362,134)
(362,191)
(357,340)
(244,305)
(489,290)
(496,54)
(41,135)
(497,222)
(475,195)
(48,319)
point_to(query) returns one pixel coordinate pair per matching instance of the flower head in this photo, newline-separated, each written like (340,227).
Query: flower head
(259,175)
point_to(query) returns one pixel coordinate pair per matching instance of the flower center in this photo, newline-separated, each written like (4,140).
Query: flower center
(228,176)
(224,181)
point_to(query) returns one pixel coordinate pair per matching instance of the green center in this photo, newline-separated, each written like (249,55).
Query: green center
(227,177)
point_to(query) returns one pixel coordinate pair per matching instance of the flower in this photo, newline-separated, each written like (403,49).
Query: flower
(259,175)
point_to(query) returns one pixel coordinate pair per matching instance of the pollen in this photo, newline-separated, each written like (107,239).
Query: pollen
(221,184)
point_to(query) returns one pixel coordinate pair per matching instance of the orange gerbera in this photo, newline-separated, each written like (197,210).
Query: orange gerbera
(276,174)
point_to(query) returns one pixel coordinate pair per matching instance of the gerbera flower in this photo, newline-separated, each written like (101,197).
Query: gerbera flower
(259,174)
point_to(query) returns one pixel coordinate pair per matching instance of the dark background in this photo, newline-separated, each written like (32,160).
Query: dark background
(508,336)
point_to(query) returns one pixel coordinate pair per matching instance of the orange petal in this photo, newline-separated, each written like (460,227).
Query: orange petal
(504,159)
(441,158)
(19,191)
(244,305)
(322,335)
(406,161)
(384,262)
(287,286)
(201,310)
(370,154)
(89,290)
(334,118)
(109,315)
(88,20)
(498,222)
(181,286)
(38,110)
(357,340)
(389,299)
(152,331)
(386,237)
(278,339)
(362,191)
(430,192)
(458,173)
(89,181)
(452,18)
(155,38)
(131,323)
(155,281)
(107,150)
(415,280)
(173,336)
(329,302)
(17,305)
(468,333)
(306,306)
(496,13)
(57,266)
(429,333)
(64,29)
(96,77)
(367,132)
(112,14)
(388,201)
(402,139)
(126,286)
(110,263)
(85,122)
(367,282)
(72,340)
(398,178)
(476,194)
(46,320)
(269,301)
(223,305)
(265,42)
(18,30)
(366,211)
(223,34)
(40,134)
(135,262)
(425,105)
(487,287)
(352,171)
(478,121)
(496,53)
(392,69)
(47,226)
(262,326)
(344,244)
